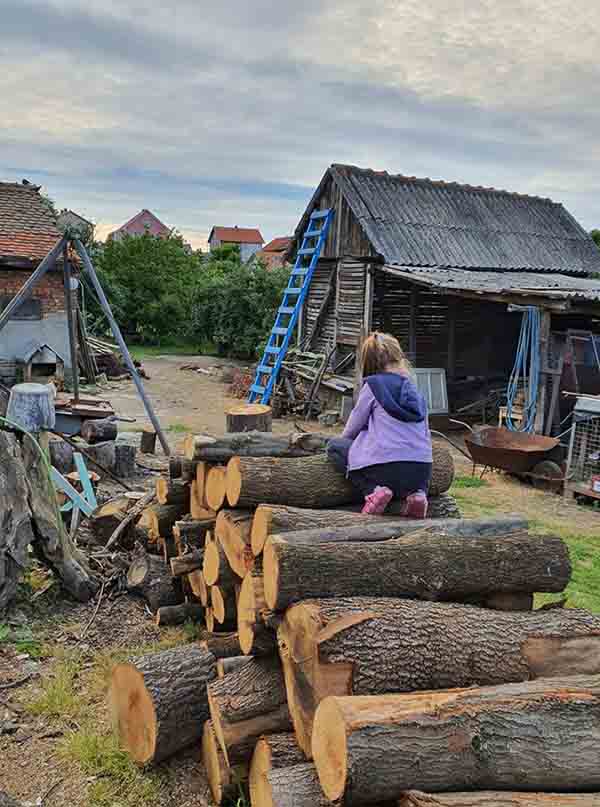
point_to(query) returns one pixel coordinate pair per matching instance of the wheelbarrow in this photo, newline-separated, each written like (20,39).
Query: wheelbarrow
(531,456)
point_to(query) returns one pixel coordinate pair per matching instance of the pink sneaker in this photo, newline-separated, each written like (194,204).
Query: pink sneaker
(415,505)
(376,502)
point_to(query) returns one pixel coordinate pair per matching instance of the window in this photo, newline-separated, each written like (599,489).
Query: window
(30,309)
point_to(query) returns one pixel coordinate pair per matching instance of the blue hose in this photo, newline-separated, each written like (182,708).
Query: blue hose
(526,369)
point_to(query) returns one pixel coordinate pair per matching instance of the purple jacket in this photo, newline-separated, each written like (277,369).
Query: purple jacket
(388,423)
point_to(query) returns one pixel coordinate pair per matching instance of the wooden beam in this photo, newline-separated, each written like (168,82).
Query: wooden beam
(540,414)
(368,309)
(412,333)
(451,362)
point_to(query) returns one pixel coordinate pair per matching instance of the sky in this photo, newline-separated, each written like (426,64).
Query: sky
(229,112)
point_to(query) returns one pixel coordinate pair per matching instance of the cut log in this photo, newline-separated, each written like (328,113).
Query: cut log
(148,444)
(31,406)
(233,530)
(173,492)
(209,619)
(167,549)
(98,431)
(442,506)
(102,453)
(493,738)
(198,508)
(296,786)
(107,517)
(224,782)
(199,588)
(126,532)
(308,481)
(190,535)
(124,466)
(330,526)
(224,607)
(61,456)
(185,564)
(249,417)
(222,645)
(254,444)
(255,638)
(149,577)
(202,469)
(415,798)
(422,565)
(246,704)
(160,518)
(15,516)
(272,753)
(370,646)
(178,614)
(175,467)
(153,718)
(188,470)
(215,488)
(216,567)
(228,665)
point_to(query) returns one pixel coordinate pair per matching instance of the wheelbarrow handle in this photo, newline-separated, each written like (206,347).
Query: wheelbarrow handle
(460,423)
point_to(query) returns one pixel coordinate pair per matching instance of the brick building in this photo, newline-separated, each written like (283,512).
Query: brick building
(28,230)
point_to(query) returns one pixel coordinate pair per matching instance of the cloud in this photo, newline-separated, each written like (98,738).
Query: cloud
(229,113)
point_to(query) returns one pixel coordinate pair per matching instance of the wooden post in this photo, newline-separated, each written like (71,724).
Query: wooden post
(540,414)
(71,322)
(248,418)
(412,334)
(368,308)
(148,441)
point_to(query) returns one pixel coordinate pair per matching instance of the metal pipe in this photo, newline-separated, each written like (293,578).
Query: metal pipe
(70,324)
(27,287)
(121,342)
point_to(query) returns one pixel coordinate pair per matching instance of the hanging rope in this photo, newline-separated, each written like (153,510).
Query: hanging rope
(526,372)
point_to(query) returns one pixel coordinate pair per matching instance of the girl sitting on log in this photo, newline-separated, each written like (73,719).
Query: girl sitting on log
(385,449)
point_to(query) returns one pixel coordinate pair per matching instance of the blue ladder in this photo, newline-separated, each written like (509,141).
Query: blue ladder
(291,305)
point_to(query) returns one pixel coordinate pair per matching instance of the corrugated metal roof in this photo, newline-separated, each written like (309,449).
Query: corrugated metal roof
(419,222)
(554,286)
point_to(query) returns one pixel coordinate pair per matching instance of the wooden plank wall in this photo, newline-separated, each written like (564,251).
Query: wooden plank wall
(346,236)
(325,273)
(350,301)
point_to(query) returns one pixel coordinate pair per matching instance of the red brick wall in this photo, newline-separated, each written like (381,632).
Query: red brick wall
(49,289)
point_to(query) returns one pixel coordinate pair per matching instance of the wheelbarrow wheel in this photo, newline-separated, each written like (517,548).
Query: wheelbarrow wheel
(547,475)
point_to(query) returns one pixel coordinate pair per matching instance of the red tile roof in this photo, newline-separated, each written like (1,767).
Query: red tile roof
(28,227)
(278,244)
(144,221)
(237,235)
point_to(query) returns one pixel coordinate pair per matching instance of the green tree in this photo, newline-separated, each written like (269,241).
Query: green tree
(596,236)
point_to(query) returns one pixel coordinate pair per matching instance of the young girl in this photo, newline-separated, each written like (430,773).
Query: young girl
(385,449)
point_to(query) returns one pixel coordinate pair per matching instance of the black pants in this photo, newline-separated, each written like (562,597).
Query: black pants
(402,478)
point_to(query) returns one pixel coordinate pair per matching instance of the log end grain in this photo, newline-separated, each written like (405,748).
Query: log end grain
(133,713)
(249,417)
(233,481)
(215,488)
(211,564)
(261,527)
(222,779)
(271,572)
(246,614)
(329,745)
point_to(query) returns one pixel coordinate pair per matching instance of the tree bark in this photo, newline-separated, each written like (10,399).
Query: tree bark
(61,456)
(188,470)
(199,509)
(308,481)
(246,704)
(271,753)
(126,532)
(370,646)
(423,565)
(173,492)
(228,665)
(442,506)
(254,444)
(98,431)
(52,543)
(255,637)
(103,453)
(222,645)
(155,719)
(215,488)
(233,532)
(296,786)
(184,564)
(331,526)
(149,577)
(216,567)
(159,519)
(414,798)
(198,585)
(15,517)
(174,467)
(190,535)
(148,443)
(223,781)
(107,517)
(493,738)
(249,417)
(178,614)
(124,460)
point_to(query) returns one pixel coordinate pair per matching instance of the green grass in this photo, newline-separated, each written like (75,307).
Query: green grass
(119,780)
(22,640)
(178,428)
(141,352)
(469,482)
(58,697)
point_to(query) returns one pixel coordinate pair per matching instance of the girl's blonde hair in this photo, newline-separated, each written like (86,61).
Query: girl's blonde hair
(381,351)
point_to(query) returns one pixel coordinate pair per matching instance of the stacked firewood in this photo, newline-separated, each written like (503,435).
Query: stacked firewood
(357,659)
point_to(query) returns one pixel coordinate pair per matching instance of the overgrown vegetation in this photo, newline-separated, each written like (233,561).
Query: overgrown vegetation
(163,294)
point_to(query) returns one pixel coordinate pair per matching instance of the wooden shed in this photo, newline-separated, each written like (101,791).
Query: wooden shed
(444,267)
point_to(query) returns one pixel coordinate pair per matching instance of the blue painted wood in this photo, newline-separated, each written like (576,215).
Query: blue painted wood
(63,484)
(85,480)
(288,313)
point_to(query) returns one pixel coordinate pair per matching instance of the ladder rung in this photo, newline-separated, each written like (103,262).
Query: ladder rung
(280,331)
(319,214)
(307,251)
(264,368)
(286,309)
(300,272)
(272,349)
(292,290)
(312,233)
(257,388)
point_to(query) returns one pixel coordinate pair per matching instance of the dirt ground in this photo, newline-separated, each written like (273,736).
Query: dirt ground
(55,733)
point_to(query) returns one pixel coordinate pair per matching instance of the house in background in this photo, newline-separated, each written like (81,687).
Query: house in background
(248,239)
(68,219)
(36,335)
(273,254)
(143,222)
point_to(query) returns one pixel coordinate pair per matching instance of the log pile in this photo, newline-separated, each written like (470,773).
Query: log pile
(359,659)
